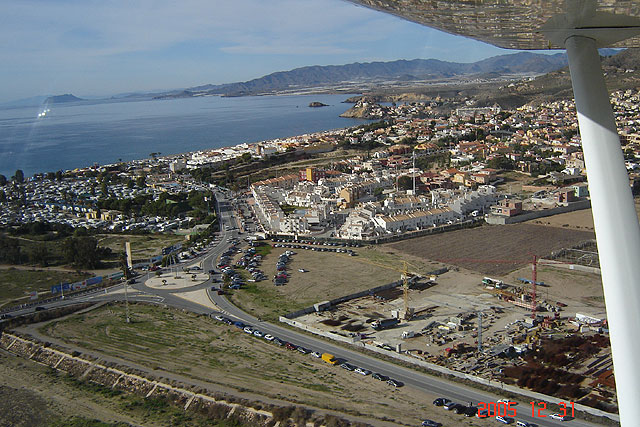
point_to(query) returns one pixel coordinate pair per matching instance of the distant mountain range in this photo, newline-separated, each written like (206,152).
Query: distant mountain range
(401,71)
(359,77)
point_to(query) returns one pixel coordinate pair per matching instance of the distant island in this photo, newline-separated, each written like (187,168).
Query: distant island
(59,99)
(316,104)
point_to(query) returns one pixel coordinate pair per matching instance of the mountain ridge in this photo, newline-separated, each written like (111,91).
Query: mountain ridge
(401,70)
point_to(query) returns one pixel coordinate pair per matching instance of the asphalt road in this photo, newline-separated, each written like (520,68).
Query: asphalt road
(435,385)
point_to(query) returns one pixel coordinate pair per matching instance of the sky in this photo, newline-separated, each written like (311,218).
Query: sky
(108,47)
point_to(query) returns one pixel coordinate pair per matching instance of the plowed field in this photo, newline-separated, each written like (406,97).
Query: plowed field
(511,245)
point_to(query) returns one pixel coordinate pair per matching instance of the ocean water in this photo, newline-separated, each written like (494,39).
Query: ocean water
(81,134)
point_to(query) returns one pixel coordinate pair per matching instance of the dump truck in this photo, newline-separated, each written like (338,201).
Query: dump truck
(329,358)
(381,324)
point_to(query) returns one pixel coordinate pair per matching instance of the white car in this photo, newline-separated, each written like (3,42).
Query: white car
(258,334)
(507,401)
(559,417)
(269,337)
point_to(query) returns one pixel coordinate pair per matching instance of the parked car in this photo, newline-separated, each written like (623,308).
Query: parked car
(449,405)
(431,423)
(459,409)
(394,383)
(347,366)
(379,377)
(440,401)
(559,417)
(470,411)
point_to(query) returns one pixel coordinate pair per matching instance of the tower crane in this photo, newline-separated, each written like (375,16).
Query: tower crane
(405,276)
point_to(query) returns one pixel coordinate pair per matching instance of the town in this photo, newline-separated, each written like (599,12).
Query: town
(416,169)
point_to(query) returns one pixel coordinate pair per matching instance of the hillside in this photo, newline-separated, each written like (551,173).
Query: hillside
(620,73)
(417,70)
(60,99)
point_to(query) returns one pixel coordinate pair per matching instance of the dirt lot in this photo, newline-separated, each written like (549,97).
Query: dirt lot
(328,275)
(202,348)
(512,245)
(576,220)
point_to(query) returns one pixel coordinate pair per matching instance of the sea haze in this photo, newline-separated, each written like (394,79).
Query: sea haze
(81,134)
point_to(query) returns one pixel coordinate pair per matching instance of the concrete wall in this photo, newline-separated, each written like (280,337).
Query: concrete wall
(115,378)
(355,295)
(502,220)
(577,267)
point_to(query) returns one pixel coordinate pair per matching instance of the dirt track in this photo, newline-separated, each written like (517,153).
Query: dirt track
(511,245)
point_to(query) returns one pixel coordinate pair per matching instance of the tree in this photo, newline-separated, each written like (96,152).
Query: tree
(82,252)
(405,182)
(3,180)
(19,176)
(141,181)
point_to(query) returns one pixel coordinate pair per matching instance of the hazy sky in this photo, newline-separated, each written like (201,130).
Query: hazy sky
(88,47)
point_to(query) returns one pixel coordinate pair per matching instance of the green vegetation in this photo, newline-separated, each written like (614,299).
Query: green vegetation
(167,205)
(15,283)
(264,295)
(77,421)
(263,250)
(143,246)
(288,209)
(46,244)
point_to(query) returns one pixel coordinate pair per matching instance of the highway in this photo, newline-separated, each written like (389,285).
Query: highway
(431,384)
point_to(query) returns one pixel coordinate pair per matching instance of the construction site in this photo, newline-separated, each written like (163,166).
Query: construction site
(513,329)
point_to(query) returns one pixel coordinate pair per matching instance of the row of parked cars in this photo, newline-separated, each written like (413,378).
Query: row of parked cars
(313,242)
(349,252)
(251,261)
(249,329)
(281,277)
(505,404)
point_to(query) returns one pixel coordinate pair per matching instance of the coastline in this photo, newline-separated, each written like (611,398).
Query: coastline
(80,135)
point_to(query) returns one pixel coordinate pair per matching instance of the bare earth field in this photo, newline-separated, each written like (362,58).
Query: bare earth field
(201,348)
(512,246)
(328,275)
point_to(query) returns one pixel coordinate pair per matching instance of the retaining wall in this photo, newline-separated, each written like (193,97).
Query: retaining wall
(119,379)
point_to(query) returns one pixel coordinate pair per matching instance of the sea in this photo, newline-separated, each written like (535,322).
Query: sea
(81,134)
